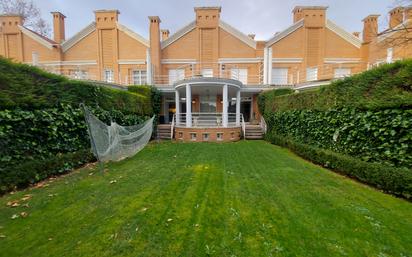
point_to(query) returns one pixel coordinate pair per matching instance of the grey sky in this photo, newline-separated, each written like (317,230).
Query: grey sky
(262,17)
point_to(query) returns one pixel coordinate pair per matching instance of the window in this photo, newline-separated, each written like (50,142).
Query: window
(207,103)
(108,76)
(208,73)
(239,74)
(311,74)
(219,136)
(139,77)
(206,137)
(79,74)
(389,55)
(342,72)
(176,75)
(193,136)
(280,76)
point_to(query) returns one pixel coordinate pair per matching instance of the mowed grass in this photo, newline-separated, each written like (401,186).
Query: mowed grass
(238,199)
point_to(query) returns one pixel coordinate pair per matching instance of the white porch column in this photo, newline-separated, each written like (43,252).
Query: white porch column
(188,106)
(177,101)
(265,65)
(269,76)
(225,106)
(238,107)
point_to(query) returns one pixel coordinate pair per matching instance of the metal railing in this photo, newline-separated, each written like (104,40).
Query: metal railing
(243,127)
(207,120)
(172,126)
(263,125)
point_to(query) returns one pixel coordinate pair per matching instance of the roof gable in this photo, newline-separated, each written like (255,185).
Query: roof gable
(66,45)
(47,42)
(344,34)
(238,34)
(133,34)
(180,33)
(284,33)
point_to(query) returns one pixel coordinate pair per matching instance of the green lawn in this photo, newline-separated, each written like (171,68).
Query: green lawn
(238,199)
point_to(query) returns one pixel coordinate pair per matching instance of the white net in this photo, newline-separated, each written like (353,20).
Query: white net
(115,142)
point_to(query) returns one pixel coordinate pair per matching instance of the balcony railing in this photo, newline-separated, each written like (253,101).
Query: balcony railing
(207,120)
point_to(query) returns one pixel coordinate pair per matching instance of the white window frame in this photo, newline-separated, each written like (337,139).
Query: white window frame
(342,72)
(311,74)
(139,77)
(207,73)
(240,74)
(176,75)
(279,76)
(389,55)
(108,75)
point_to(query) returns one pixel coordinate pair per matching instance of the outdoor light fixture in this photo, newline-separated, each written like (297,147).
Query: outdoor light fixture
(183,99)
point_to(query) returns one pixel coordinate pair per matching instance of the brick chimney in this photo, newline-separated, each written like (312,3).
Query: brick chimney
(165,34)
(395,17)
(314,16)
(9,23)
(370,28)
(154,31)
(408,13)
(207,17)
(58,27)
(356,34)
(106,19)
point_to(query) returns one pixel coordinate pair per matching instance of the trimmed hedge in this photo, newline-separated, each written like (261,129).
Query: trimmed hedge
(397,181)
(383,136)
(42,127)
(30,172)
(387,87)
(269,95)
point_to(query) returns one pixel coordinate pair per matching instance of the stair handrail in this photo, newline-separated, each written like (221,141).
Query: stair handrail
(172,126)
(263,124)
(243,126)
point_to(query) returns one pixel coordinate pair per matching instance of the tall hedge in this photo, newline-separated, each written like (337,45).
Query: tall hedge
(42,125)
(366,117)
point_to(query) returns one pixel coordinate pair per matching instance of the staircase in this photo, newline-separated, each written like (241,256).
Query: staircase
(253,132)
(163,131)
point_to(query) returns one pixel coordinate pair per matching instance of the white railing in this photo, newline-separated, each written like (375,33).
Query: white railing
(243,126)
(263,125)
(172,127)
(207,120)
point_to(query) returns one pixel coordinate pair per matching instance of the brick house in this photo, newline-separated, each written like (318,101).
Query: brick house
(209,72)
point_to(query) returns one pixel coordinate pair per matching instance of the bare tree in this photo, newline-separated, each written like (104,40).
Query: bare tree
(29,12)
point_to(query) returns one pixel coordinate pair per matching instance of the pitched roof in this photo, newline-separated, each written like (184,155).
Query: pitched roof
(344,34)
(284,33)
(223,25)
(47,42)
(66,45)
(133,34)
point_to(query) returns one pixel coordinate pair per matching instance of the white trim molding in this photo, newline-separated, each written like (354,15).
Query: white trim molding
(180,33)
(138,61)
(238,34)
(133,34)
(36,37)
(66,45)
(287,60)
(178,61)
(284,33)
(341,60)
(240,60)
(69,63)
(344,34)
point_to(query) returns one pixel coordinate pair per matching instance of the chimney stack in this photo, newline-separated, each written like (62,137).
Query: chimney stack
(58,27)
(165,34)
(106,19)
(408,13)
(395,17)
(252,36)
(356,34)
(370,28)
(207,17)
(154,31)
(314,16)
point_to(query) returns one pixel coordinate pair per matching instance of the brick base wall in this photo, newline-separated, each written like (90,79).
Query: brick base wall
(227,134)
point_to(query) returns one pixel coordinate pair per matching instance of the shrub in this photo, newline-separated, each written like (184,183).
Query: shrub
(397,181)
(29,172)
(387,87)
(269,95)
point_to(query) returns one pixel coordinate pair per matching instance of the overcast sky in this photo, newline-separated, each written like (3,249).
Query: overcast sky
(261,17)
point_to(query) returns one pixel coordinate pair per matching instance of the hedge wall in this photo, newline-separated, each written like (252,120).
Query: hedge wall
(42,125)
(386,87)
(366,117)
